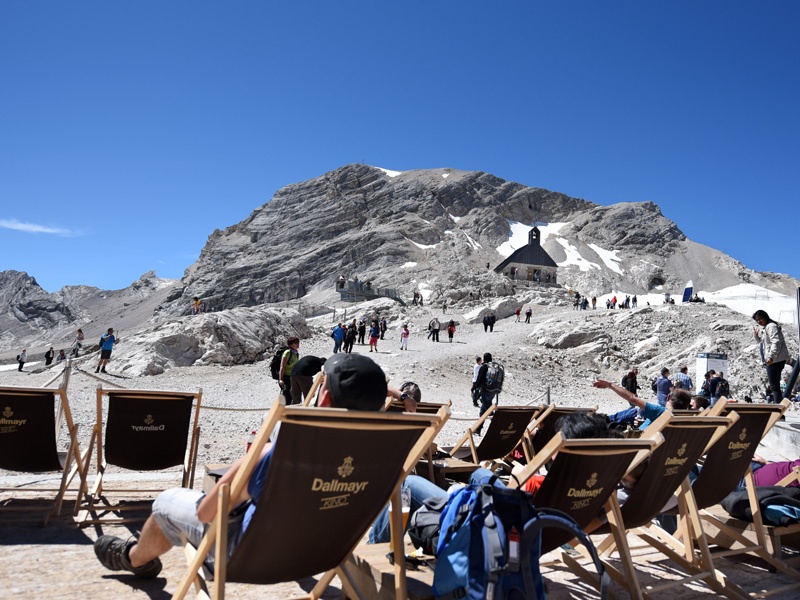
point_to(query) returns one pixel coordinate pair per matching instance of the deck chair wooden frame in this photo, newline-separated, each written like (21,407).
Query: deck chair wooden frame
(582,476)
(378,448)
(686,439)
(733,531)
(506,430)
(30,427)
(145,430)
(725,464)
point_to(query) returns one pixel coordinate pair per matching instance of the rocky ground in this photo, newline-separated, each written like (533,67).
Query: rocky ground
(561,350)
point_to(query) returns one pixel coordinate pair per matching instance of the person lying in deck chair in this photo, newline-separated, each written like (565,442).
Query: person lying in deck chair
(676,400)
(351,381)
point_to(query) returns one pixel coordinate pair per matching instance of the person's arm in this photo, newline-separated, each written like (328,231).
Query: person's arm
(409,403)
(207,508)
(632,399)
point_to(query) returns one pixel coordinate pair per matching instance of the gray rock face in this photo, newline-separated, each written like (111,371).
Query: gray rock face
(359,221)
(237,336)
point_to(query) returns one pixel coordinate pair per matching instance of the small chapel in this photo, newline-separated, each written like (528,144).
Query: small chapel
(530,263)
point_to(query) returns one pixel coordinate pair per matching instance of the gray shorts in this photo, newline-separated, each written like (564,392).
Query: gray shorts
(175,512)
(105,354)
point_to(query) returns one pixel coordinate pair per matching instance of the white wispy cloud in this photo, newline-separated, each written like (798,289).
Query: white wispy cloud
(34,228)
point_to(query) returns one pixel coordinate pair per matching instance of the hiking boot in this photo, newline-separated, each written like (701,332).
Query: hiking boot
(112,552)
(97,370)
(103,370)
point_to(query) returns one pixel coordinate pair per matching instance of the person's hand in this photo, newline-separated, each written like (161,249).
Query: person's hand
(601,384)
(282,383)
(769,361)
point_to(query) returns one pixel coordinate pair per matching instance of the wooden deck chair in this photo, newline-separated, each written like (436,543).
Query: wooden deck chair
(331,473)
(144,430)
(725,464)
(542,430)
(30,427)
(582,477)
(503,434)
(686,439)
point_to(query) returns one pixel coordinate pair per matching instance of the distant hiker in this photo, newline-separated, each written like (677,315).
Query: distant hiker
(476,392)
(444,307)
(485,323)
(362,330)
(61,356)
(633,301)
(404,333)
(492,319)
(584,303)
(774,352)
(682,379)
(723,387)
(663,387)
(196,306)
(290,389)
(415,301)
(49,356)
(78,343)
(303,372)
(614,302)
(594,302)
(713,384)
(518,312)
(489,382)
(384,326)
(528,314)
(435,326)
(629,381)
(22,357)
(350,337)
(338,334)
(451,329)
(374,334)
(341,281)
(705,387)
(107,342)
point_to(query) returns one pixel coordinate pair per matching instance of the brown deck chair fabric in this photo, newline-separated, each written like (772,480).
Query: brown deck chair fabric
(28,439)
(725,464)
(330,474)
(147,434)
(504,433)
(727,461)
(686,439)
(581,478)
(145,430)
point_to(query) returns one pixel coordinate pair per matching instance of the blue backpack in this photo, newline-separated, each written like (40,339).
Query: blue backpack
(490,543)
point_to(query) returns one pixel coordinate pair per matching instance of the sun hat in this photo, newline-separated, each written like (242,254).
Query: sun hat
(356,382)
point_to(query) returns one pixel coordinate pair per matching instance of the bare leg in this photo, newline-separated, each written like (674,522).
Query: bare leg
(151,544)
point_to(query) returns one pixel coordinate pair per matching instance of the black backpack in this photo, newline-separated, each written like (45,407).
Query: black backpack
(654,385)
(494,377)
(723,389)
(275,363)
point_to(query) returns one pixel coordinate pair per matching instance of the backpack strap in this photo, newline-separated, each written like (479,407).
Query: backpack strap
(531,535)
(493,545)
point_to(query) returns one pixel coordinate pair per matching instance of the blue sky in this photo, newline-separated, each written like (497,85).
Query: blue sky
(130,131)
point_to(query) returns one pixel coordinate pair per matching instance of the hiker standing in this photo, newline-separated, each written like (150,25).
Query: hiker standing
(350,337)
(49,356)
(451,329)
(21,358)
(107,342)
(384,327)
(435,326)
(476,391)
(338,337)
(289,388)
(489,383)
(773,349)
(374,334)
(528,314)
(518,312)
(78,343)
(362,330)
(404,338)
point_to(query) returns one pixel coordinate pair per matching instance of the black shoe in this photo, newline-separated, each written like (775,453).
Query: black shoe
(97,370)
(103,370)
(112,552)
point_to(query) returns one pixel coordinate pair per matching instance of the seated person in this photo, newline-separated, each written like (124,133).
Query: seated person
(676,400)
(767,473)
(350,381)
